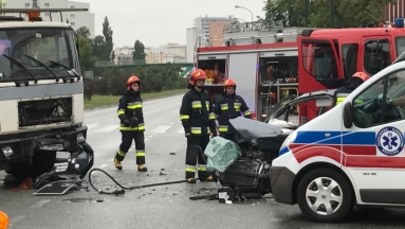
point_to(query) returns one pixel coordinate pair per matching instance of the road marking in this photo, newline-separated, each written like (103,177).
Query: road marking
(109,128)
(16,219)
(40,203)
(161,129)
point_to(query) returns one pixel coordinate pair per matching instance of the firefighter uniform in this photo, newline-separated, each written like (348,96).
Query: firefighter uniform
(198,119)
(132,127)
(229,106)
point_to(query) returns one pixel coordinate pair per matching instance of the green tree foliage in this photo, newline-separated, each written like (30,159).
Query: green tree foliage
(138,55)
(326,13)
(154,78)
(85,48)
(99,48)
(108,36)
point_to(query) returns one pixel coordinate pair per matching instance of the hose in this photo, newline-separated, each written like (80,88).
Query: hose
(123,188)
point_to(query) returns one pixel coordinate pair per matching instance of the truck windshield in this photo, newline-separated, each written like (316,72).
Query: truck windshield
(32,53)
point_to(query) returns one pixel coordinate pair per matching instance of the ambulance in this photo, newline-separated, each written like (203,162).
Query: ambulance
(352,155)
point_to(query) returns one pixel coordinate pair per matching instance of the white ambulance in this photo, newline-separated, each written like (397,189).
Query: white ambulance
(353,154)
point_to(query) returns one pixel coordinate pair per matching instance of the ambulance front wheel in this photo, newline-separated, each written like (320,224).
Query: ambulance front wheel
(325,195)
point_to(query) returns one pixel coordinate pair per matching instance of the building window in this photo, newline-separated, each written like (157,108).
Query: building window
(72,23)
(27,5)
(47,14)
(34,3)
(47,4)
(72,15)
(72,7)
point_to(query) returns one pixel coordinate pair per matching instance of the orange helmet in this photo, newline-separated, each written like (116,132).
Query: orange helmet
(362,75)
(230,83)
(133,79)
(197,74)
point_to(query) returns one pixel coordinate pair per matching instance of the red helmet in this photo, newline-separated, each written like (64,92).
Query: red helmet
(230,83)
(133,79)
(362,75)
(197,74)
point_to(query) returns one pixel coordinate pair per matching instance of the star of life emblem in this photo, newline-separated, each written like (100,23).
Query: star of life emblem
(390,141)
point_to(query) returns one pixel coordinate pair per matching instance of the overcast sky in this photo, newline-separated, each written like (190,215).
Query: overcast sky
(158,22)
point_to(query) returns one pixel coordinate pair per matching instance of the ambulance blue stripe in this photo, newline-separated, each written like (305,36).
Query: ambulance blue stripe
(283,151)
(359,138)
(334,137)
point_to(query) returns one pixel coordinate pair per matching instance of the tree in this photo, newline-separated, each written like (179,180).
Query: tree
(85,48)
(99,45)
(326,13)
(107,32)
(138,56)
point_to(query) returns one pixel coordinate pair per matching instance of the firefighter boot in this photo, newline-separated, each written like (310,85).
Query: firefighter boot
(142,168)
(117,164)
(211,178)
(191,180)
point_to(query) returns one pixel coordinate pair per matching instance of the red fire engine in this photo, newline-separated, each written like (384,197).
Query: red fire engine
(327,58)
(264,73)
(319,59)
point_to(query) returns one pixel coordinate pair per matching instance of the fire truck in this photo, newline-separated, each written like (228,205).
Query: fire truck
(318,59)
(264,73)
(41,97)
(327,58)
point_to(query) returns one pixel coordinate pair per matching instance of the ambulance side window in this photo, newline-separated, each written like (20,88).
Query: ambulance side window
(383,102)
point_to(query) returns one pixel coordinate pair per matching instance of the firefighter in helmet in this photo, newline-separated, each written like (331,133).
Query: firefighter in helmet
(229,106)
(132,124)
(198,119)
(355,81)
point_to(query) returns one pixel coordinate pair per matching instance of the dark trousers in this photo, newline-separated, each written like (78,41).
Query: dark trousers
(195,155)
(126,142)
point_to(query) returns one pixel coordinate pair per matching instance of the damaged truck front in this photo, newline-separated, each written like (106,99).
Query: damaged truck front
(41,100)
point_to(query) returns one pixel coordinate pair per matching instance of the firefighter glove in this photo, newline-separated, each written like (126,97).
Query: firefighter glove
(125,121)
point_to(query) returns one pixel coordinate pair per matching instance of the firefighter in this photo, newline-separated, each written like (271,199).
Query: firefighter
(132,124)
(229,106)
(355,81)
(198,119)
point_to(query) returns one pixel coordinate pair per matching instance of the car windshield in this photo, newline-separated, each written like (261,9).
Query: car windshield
(37,54)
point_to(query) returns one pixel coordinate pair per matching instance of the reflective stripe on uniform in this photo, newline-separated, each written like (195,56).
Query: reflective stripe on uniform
(121,111)
(237,106)
(133,106)
(211,116)
(184,117)
(195,130)
(121,153)
(140,153)
(223,128)
(207,105)
(247,113)
(196,104)
(224,107)
(141,126)
(190,169)
(340,99)
(202,168)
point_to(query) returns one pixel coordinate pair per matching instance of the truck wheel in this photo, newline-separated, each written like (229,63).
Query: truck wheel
(324,195)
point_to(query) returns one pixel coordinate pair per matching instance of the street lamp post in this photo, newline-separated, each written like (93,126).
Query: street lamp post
(242,7)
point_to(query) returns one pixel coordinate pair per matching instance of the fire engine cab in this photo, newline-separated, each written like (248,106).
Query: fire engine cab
(264,73)
(329,57)
(354,154)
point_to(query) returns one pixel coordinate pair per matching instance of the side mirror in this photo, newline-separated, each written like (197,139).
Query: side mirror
(347,115)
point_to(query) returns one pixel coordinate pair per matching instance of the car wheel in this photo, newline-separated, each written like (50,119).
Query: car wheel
(325,195)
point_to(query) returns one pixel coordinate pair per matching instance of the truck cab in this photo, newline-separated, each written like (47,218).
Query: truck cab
(41,98)
(351,155)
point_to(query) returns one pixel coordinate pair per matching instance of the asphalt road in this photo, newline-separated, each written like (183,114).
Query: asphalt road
(166,206)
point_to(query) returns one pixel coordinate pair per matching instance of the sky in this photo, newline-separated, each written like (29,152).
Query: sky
(158,22)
